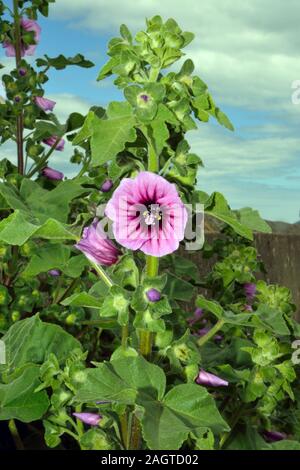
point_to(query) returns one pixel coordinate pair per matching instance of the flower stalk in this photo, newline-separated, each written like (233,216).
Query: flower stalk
(19,123)
(211,333)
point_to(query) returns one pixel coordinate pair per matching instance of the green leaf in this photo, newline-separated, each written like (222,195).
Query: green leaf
(178,289)
(110,135)
(217,207)
(83,299)
(18,400)
(126,381)
(251,219)
(31,341)
(210,306)
(185,408)
(285,444)
(223,119)
(55,257)
(134,381)
(92,118)
(61,62)
(16,229)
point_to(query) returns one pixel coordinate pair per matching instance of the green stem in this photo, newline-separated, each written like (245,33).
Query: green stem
(124,429)
(20,120)
(153,162)
(135,436)
(43,160)
(124,336)
(79,424)
(201,341)
(102,274)
(15,434)
(233,423)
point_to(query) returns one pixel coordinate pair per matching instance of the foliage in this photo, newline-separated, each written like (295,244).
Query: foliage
(82,339)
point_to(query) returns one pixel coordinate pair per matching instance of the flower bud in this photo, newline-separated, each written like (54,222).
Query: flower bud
(210,380)
(153,295)
(106,186)
(93,419)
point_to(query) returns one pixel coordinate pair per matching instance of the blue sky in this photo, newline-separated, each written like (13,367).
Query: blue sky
(249,55)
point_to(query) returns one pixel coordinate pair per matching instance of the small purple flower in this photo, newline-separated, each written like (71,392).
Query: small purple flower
(273,436)
(210,380)
(250,290)
(51,141)
(93,419)
(17,99)
(106,186)
(96,246)
(52,174)
(26,49)
(153,295)
(54,272)
(44,103)
(22,72)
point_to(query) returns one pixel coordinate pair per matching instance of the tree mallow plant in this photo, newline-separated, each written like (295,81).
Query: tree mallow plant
(103,341)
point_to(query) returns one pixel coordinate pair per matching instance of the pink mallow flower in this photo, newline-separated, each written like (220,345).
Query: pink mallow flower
(93,419)
(210,380)
(26,49)
(52,174)
(147,214)
(44,103)
(96,246)
(51,141)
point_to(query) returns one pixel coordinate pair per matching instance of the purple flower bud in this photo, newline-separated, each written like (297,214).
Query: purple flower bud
(197,315)
(106,186)
(250,290)
(45,105)
(273,436)
(153,295)
(248,308)
(145,98)
(93,419)
(218,338)
(51,141)
(96,246)
(54,272)
(17,99)
(22,72)
(52,174)
(210,380)
(203,331)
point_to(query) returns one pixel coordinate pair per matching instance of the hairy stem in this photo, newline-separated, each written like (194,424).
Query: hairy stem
(20,120)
